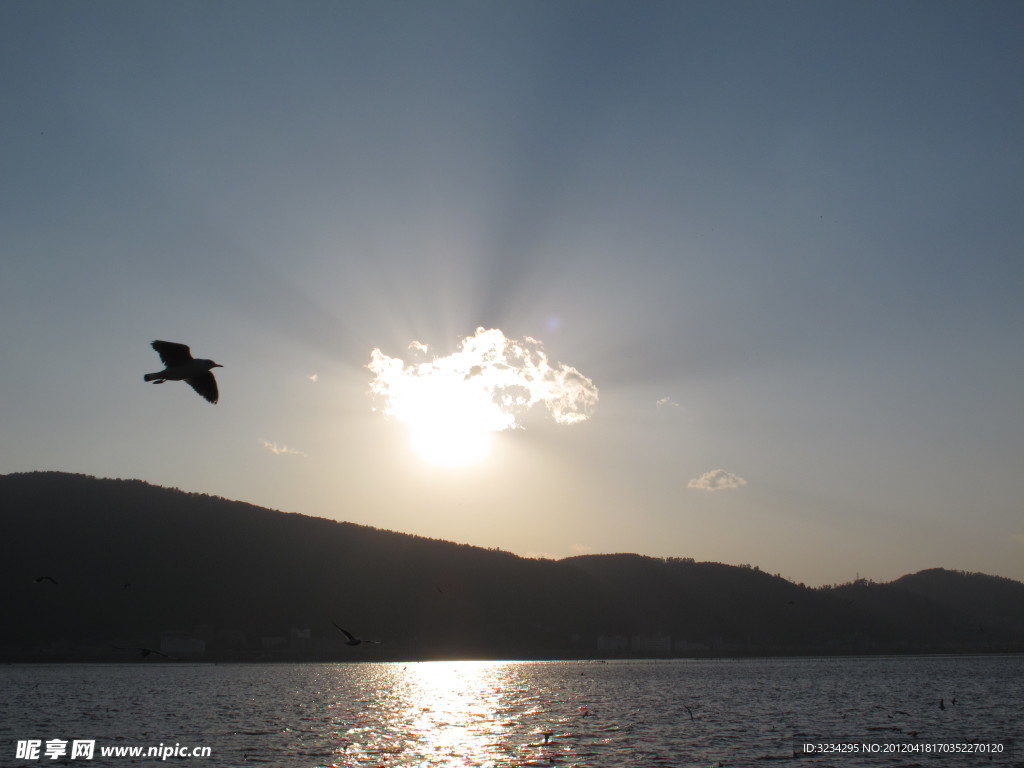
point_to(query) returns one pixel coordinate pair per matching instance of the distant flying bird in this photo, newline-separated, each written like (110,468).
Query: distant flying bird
(179,365)
(352,639)
(41,579)
(144,651)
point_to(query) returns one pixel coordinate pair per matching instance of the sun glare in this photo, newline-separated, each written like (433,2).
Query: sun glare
(453,405)
(450,448)
(447,436)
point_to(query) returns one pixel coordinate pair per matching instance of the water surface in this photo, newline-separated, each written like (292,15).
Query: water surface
(624,714)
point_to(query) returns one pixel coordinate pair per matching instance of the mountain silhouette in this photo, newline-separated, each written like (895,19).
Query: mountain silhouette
(218,579)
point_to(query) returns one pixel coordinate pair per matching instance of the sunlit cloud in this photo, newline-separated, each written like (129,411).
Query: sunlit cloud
(453,404)
(280,450)
(666,402)
(716,480)
(314,378)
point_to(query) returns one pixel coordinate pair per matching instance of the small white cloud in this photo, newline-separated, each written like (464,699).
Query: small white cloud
(716,480)
(314,378)
(666,402)
(279,450)
(418,346)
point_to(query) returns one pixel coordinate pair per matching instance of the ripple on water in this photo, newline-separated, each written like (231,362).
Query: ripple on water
(498,715)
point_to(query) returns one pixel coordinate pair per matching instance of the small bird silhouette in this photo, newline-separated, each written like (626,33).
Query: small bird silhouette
(41,579)
(144,651)
(352,639)
(179,365)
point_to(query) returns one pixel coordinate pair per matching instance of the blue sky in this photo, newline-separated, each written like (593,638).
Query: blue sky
(781,240)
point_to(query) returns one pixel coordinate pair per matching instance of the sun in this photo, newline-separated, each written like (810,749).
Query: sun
(449,423)
(453,405)
(455,443)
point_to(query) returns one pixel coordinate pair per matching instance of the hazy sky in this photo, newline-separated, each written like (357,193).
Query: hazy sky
(758,268)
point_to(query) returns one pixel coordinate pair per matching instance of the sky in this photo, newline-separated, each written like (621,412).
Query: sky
(748,276)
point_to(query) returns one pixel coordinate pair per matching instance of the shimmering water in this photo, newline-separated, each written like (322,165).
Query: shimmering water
(569,714)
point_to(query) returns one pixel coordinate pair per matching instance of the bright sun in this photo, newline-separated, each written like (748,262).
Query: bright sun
(451,444)
(449,418)
(453,405)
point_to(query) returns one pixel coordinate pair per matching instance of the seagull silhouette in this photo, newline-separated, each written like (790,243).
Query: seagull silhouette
(41,579)
(352,639)
(144,651)
(179,365)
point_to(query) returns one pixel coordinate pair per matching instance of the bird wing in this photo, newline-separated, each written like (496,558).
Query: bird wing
(345,632)
(205,385)
(171,353)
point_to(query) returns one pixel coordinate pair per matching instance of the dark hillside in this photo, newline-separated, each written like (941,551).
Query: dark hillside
(203,577)
(976,596)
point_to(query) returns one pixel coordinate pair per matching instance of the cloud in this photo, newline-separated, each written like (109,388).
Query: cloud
(279,450)
(490,381)
(716,480)
(314,378)
(666,402)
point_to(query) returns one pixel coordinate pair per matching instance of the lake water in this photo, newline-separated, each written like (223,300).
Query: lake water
(623,714)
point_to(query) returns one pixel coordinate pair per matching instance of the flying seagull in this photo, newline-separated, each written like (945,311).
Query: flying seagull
(179,365)
(352,639)
(41,579)
(144,651)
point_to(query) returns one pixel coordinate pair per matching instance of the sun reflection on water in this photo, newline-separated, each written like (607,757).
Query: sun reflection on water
(453,706)
(443,713)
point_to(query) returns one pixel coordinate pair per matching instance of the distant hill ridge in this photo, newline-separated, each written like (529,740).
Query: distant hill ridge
(194,576)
